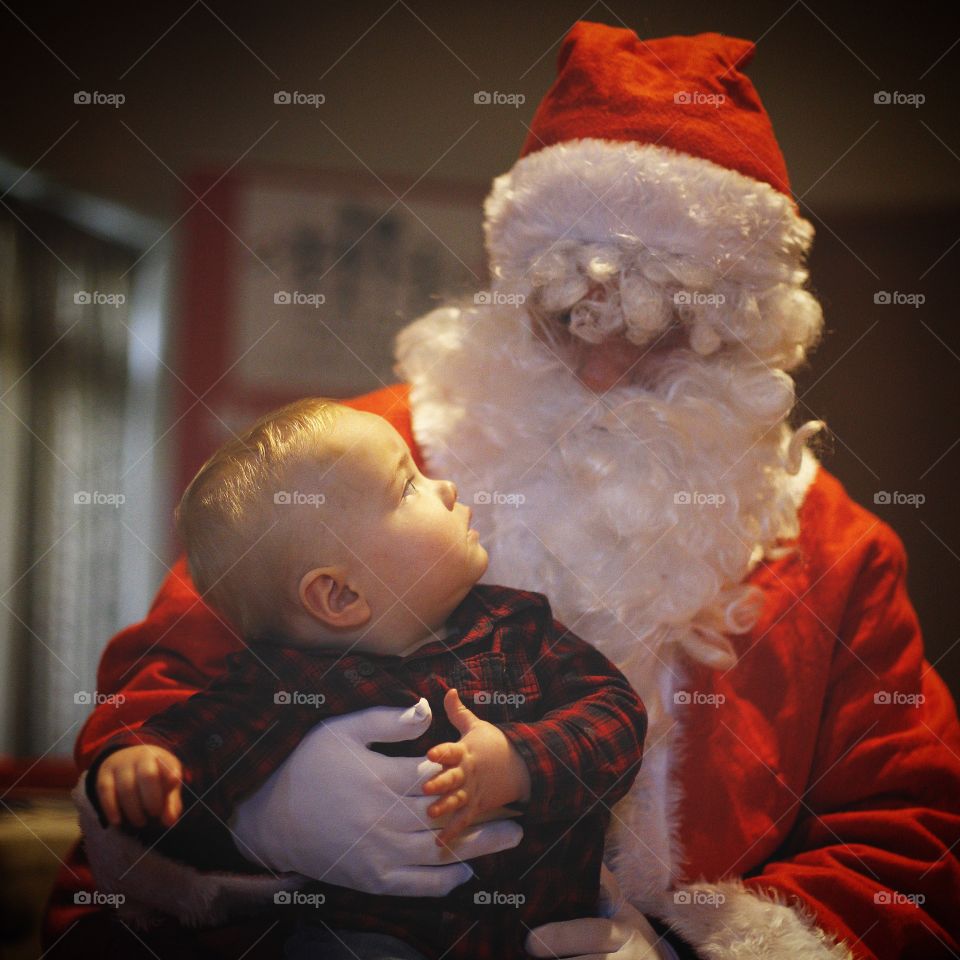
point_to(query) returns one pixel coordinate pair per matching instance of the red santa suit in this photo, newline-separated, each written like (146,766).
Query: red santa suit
(821,797)
(800,793)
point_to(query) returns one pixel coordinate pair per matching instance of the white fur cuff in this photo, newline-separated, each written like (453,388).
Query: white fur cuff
(145,884)
(728,921)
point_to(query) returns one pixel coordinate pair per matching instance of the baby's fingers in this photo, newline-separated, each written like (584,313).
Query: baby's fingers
(170,770)
(151,787)
(128,796)
(448,754)
(171,778)
(107,792)
(444,782)
(455,827)
(172,808)
(447,804)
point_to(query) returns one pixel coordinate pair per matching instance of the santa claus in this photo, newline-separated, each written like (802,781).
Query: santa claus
(616,407)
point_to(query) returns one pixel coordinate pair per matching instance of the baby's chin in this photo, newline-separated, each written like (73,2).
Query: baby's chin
(485,563)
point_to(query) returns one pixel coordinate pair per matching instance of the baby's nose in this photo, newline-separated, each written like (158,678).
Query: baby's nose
(450,493)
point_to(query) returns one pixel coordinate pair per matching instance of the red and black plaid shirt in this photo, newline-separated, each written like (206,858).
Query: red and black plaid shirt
(569,712)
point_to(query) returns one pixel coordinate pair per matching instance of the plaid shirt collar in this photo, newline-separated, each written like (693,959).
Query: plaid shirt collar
(472,621)
(476,617)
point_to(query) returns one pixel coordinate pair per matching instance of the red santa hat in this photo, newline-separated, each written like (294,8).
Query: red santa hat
(687,93)
(660,144)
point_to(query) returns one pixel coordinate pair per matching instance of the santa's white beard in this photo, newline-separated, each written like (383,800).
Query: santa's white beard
(645,507)
(584,498)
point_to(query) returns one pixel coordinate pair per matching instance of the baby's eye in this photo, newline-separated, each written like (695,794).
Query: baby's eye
(411,486)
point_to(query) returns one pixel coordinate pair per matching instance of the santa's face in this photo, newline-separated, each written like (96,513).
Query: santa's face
(627,474)
(599,364)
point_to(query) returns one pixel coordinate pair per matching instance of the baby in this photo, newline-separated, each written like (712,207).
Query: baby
(353,581)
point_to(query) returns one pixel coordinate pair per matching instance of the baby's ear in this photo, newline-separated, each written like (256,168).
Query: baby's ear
(327,597)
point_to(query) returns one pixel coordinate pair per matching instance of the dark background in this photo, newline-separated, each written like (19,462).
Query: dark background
(879,182)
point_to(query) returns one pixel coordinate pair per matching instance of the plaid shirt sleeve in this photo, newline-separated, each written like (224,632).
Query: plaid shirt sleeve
(232,735)
(587,748)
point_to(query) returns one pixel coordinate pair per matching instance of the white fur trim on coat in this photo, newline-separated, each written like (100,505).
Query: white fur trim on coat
(728,921)
(152,884)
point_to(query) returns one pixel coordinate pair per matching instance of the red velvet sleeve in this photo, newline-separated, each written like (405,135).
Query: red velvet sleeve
(182,644)
(874,853)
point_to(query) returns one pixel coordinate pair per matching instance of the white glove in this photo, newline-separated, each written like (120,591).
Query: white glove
(623,934)
(336,811)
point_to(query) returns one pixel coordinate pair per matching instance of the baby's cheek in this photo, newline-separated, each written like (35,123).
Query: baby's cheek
(415,579)
(428,561)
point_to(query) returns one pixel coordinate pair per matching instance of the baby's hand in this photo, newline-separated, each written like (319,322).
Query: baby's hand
(140,781)
(482,771)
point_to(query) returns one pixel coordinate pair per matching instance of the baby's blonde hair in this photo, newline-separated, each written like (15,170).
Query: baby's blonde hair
(235,520)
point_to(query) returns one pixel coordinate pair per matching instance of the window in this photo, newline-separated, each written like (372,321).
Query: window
(83,517)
